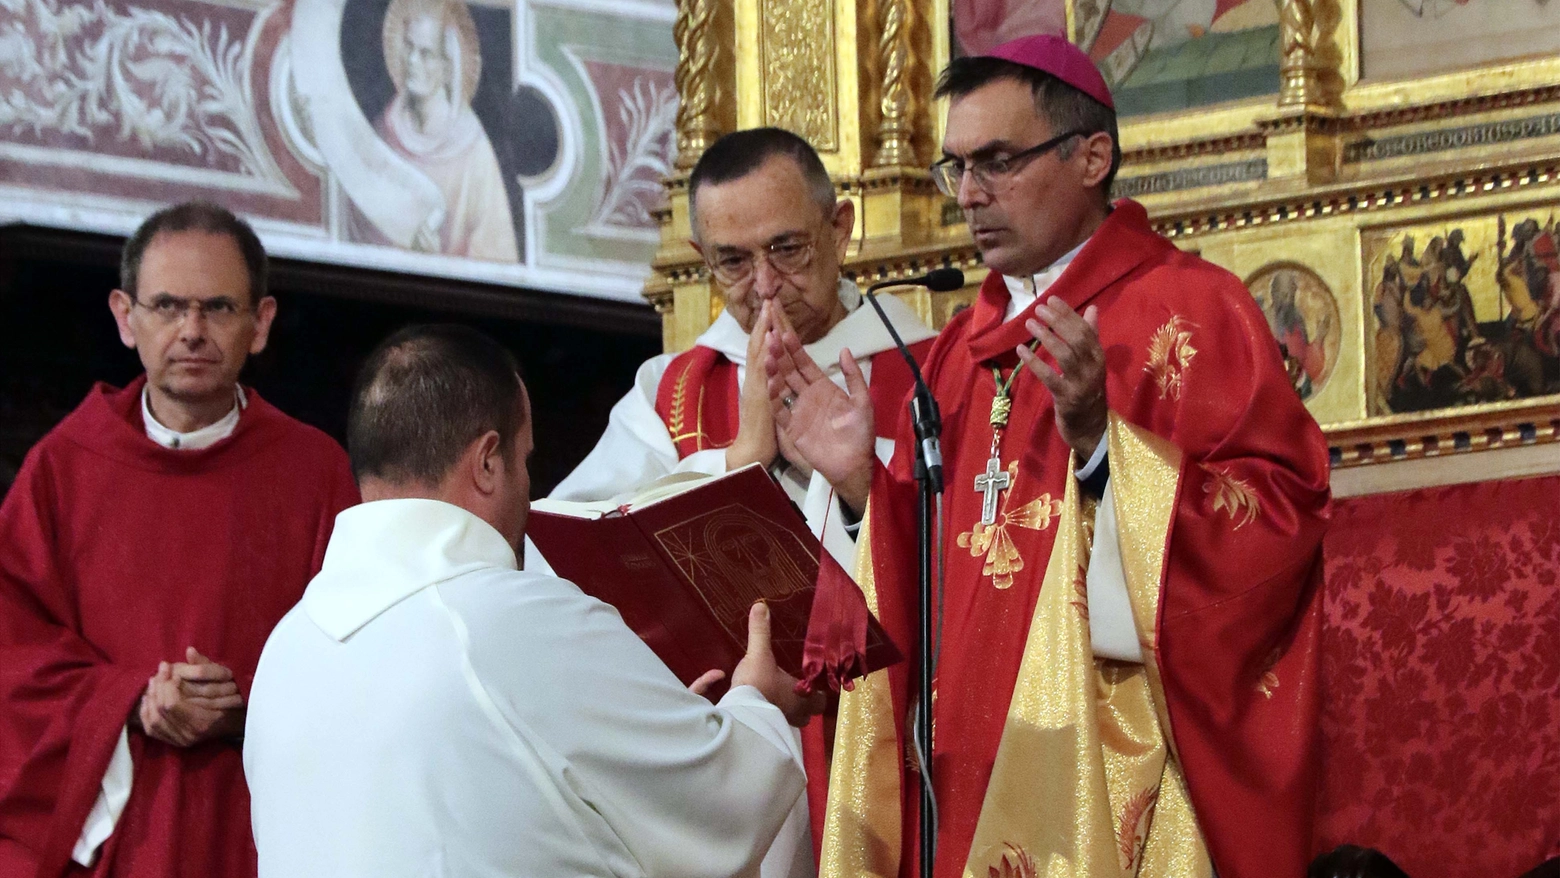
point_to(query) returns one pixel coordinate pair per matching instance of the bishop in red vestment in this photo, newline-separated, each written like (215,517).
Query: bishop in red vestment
(1095,349)
(149,544)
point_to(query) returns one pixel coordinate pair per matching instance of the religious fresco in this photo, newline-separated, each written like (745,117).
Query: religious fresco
(1157,55)
(1401,38)
(431,56)
(1303,314)
(1465,312)
(1163,55)
(978,26)
(507,141)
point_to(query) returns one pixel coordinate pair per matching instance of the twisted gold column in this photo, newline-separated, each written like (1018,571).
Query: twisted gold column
(697,91)
(895,133)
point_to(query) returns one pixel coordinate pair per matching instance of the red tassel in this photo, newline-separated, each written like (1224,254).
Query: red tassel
(835,652)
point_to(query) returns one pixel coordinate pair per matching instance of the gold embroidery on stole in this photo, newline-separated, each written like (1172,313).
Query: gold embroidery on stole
(1086,782)
(679,414)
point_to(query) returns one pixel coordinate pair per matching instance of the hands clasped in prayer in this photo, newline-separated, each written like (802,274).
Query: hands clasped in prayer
(833,428)
(757,439)
(192,701)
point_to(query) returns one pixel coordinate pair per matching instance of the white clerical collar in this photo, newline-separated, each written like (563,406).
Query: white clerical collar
(861,331)
(195,439)
(1024,290)
(383,552)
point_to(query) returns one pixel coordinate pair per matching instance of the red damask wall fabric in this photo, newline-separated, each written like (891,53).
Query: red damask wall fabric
(1441,673)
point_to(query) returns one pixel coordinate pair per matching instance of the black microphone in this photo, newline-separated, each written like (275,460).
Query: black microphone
(924,411)
(940,280)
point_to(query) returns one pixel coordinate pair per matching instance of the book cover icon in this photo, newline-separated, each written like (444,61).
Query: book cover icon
(685,558)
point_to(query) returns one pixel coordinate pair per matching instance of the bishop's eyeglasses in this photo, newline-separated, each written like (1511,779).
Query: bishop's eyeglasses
(990,175)
(788,256)
(218,311)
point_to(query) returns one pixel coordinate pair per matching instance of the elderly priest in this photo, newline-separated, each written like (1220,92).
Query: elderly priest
(766,221)
(428,709)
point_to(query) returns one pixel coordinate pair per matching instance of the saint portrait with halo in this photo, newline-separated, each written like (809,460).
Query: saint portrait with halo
(431,52)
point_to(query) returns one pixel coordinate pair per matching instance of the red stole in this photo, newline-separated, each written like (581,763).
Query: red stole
(698,400)
(1191,359)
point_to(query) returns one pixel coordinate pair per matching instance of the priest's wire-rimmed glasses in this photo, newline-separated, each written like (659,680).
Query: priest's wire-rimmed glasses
(988,174)
(218,311)
(789,256)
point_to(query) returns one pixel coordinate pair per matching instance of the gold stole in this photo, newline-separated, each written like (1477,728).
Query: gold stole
(861,824)
(1085,781)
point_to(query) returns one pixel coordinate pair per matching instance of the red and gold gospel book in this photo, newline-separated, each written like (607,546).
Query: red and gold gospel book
(684,559)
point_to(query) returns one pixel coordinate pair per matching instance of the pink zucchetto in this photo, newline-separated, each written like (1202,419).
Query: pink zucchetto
(1063,60)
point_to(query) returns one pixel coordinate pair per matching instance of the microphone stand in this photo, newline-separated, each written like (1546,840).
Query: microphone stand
(927,419)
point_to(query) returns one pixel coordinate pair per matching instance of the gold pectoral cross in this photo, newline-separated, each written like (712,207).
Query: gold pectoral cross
(991,482)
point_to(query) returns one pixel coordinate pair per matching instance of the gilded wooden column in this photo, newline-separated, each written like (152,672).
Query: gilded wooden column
(698,89)
(895,133)
(1309,68)
(1303,141)
(899,205)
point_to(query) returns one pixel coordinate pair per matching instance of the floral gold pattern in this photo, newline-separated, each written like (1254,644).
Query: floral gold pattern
(800,92)
(1170,352)
(1132,827)
(1081,589)
(1234,496)
(994,542)
(1019,865)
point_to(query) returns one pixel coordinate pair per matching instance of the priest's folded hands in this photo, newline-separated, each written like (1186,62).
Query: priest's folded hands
(758,440)
(188,702)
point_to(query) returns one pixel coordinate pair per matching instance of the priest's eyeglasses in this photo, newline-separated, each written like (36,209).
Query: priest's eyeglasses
(219,311)
(789,256)
(989,174)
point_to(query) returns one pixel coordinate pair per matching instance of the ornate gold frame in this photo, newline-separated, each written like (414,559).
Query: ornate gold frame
(1296,178)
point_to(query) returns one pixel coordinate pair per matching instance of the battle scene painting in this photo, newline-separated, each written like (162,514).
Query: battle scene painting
(1463,313)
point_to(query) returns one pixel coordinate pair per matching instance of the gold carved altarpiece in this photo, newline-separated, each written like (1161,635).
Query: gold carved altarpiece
(1400,234)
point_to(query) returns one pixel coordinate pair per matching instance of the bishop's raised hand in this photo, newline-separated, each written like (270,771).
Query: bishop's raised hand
(1077,382)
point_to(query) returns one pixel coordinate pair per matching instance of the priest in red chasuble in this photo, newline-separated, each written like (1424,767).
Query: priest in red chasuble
(770,228)
(1126,677)
(149,544)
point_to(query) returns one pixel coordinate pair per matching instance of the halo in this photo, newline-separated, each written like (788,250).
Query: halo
(452,13)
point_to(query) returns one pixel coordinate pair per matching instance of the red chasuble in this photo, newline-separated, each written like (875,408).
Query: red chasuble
(1191,360)
(115,554)
(699,400)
